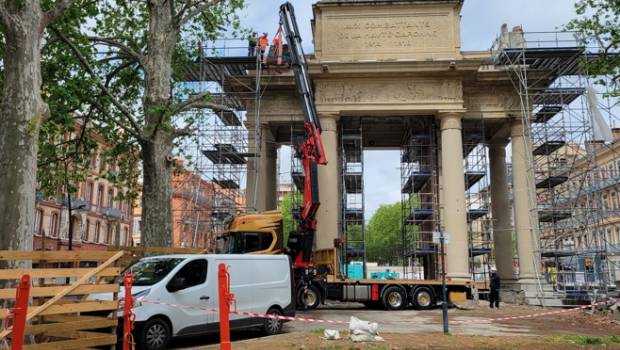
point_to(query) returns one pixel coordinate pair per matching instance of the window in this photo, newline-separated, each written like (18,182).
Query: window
(147,272)
(617,238)
(53,229)
(110,198)
(126,237)
(100,195)
(38,221)
(86,233)
(605,202)
(88,194)
(97,231)
(192,274)
(247,242)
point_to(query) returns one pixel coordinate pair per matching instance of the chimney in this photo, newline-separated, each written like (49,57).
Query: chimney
(616,134)
(593,146)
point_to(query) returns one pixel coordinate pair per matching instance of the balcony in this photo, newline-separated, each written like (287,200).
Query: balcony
(76,204)
(112,213)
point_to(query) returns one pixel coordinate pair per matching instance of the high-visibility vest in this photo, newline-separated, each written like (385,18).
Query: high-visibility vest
(263,42)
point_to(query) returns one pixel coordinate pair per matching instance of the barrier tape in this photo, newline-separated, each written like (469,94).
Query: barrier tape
(251,314)
(555,312)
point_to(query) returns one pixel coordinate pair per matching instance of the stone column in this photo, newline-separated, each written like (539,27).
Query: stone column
(526,225)
(328,227)
(501,211)
(453,183)
(262,171)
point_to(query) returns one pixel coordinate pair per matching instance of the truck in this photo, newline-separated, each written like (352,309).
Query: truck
(317,273)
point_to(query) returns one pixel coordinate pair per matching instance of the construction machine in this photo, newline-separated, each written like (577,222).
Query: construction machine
(317,274)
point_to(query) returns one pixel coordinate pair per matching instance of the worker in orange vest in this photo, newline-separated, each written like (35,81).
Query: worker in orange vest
(262,42)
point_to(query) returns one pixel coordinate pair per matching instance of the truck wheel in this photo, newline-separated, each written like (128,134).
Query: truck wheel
(423,298)
(394,298)
(312,297)
(155,335)
(272,326)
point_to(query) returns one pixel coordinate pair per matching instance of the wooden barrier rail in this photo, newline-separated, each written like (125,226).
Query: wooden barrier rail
(61,315)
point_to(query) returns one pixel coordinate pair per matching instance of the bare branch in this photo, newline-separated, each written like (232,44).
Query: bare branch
(197,101)
(194,9)
(136,129)
(55,12)
(126,49)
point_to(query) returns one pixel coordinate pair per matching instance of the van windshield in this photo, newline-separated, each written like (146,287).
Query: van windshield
(147,272)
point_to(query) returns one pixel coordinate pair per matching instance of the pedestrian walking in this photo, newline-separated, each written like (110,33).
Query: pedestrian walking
(495,285)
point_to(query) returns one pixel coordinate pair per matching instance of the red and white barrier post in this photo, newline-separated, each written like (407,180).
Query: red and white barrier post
(127,313)
(226,299)
(19,312)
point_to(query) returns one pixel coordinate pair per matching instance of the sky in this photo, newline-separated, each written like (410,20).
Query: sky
(480,25)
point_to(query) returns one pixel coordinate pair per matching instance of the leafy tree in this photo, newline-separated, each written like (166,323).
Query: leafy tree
(598,23)
(141,45)
(384,235)
(286,206)
(22,110)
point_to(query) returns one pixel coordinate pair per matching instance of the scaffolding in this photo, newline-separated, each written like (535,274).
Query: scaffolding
(419,200)
(479,228)
(558,104)
(353,224)
(217,154)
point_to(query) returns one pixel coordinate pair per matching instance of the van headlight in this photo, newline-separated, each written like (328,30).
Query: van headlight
(137,299)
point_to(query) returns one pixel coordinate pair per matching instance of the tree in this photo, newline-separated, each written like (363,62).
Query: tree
(144,43)
(384,234)
(598,23)
(22,111)
(286,206)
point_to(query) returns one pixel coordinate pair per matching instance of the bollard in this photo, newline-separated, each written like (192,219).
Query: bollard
(225,300)
(19,313)
(127,313)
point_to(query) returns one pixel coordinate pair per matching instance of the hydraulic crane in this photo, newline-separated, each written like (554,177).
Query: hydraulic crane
(311,149)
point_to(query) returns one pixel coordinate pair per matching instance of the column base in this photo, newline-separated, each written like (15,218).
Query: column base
(529,291)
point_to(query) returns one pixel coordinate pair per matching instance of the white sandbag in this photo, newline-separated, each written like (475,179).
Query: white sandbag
(331,334)
(364,337)
(357,324)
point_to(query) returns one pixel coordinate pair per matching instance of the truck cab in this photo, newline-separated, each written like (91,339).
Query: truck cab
(259,233)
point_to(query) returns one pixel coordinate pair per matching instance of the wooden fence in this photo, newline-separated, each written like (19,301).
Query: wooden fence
(61,316)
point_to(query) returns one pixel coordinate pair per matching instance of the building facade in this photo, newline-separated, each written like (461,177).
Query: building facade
(99,218)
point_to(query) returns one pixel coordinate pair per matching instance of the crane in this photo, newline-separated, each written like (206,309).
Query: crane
(311,149)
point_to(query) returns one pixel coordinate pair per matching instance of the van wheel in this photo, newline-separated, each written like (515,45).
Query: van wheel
(273,326)
(423,298)
(394,298)
(155,335)
(311,298)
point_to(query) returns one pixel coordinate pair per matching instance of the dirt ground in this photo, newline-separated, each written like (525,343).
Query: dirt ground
(412,329)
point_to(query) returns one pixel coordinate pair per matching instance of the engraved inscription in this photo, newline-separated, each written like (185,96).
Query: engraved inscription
(347,92)
(404,32)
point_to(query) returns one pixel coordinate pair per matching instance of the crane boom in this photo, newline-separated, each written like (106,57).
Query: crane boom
(311,149)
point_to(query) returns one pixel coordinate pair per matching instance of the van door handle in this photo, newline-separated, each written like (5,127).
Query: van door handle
(204,297)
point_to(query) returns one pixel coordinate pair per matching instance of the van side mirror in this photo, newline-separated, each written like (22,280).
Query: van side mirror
(176,284)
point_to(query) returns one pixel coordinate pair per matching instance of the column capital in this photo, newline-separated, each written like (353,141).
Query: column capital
(450,120)
(329,121)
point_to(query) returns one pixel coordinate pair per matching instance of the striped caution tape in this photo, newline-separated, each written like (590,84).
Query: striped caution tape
(250,314)
(538,314)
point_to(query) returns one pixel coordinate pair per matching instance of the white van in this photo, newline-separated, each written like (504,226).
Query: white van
(260,283)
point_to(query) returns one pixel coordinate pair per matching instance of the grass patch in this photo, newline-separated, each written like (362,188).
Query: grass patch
(587,340)
(318,331)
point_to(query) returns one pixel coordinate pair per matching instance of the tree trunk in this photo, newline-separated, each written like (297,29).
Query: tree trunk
(21,112)
(157,195)
(157,144)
